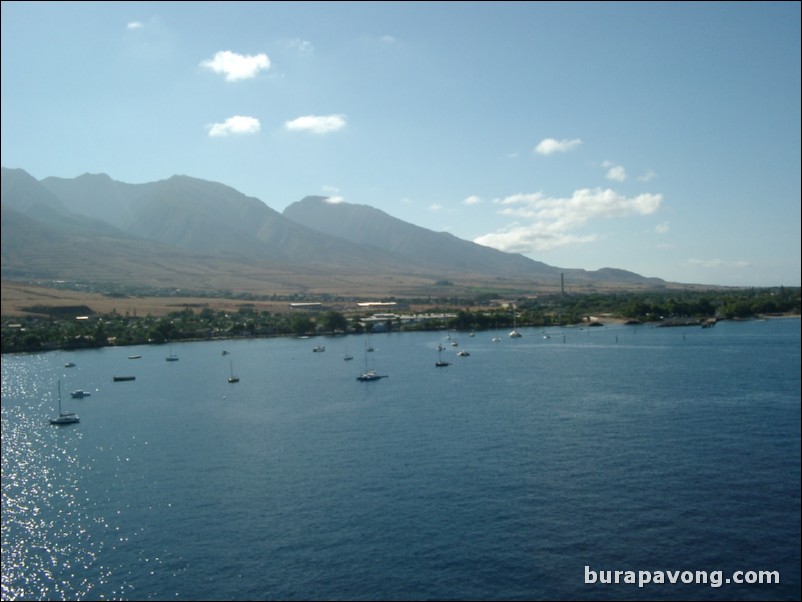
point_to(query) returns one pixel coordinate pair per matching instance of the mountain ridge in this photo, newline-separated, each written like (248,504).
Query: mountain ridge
(368,225)
(187,230)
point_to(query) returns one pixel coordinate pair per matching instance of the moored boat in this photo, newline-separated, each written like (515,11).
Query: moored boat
(64,417)
(370,375)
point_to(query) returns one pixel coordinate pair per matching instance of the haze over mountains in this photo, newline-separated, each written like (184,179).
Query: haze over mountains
(192,233)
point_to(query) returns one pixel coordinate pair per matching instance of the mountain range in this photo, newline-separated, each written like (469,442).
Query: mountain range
(190,233)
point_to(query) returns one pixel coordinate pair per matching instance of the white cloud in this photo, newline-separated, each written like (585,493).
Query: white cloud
(617,173)
(335,200)
(237,66)
(387,39)
(719,263)
(134,25)
(661,228)
(649,175)
(301,46)
(238,124)
(435,207)
(549,146)
(554,220)
(317,124)
(527,239)
(472,200)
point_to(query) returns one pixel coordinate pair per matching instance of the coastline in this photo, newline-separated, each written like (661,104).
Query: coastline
(696,323)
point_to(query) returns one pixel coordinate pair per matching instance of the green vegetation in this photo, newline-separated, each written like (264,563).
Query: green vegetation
(62,330)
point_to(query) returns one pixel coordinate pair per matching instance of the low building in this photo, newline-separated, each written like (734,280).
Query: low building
(307,306)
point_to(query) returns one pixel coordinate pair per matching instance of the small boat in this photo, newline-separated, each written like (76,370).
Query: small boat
(514,334)
(172,357)
(496,339)
(134,357)
(232,378)
(64,417)
(69,365)
(80,394)
(370,375)
(118,379)
(463,353)
(347,357)
(441,363)
(319,348)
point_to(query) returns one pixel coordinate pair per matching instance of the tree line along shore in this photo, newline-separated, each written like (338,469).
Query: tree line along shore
(79,327)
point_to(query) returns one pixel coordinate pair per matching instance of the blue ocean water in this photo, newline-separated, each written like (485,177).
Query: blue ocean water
(510,475)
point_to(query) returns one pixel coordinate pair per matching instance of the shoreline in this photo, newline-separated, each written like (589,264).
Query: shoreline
(584,324)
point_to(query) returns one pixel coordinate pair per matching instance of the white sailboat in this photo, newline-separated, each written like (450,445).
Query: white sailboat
(441,363)
(63,417)
(369,374)
(514,334)
(232,378)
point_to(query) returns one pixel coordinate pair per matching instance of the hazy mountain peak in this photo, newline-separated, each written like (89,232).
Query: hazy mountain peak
(21,191)
(96,177)
(333,240)
(367,225)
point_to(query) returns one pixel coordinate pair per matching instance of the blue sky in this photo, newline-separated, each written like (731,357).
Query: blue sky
(661,138)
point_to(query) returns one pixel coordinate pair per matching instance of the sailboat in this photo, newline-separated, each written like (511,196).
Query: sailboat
(172,357)
(441,363)
(369,374)
(514,334)
(232,378)
(63,417)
